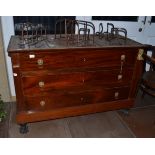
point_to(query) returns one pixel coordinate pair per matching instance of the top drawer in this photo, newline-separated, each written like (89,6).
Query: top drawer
(74,59)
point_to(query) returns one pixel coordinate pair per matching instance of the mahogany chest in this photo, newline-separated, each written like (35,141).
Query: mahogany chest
(62,80)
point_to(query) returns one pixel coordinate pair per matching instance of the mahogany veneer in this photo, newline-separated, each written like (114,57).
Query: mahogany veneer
(66,80)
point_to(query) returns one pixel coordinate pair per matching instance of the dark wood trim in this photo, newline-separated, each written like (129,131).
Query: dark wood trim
(24,117)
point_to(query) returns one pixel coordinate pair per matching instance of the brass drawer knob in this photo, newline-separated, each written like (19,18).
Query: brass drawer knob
(40,62)
(41,84)
(42,103)
(123,57)
(116,95)
(119,77)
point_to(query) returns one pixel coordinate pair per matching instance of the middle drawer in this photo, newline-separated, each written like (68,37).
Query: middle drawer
(37,83)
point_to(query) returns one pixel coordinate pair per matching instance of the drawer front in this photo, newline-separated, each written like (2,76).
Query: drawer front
(108,78)
(37,84)
(84,59)
(68,99)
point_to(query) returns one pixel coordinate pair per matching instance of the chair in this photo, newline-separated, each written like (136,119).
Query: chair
(147,84)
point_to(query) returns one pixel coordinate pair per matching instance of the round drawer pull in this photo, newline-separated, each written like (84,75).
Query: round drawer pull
(40,62)
(42,103)
(84,59)
(120,77)
(14,74)
(116,95)
(41,84)
(123,57)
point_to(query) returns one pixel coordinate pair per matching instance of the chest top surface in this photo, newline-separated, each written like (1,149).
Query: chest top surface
(50,43)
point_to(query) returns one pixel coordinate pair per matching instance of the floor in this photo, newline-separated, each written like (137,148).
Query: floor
(140,122)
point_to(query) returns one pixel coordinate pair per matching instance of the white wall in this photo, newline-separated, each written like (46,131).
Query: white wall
(8,30)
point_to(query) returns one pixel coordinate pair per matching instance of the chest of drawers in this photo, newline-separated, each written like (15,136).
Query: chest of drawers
(58,82)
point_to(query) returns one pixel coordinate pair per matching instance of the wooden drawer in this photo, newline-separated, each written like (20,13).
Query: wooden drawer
(74,59)
(70,99)
(108,78)
(35,83)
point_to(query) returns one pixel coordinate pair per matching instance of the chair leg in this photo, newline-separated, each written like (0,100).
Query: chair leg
(143,94)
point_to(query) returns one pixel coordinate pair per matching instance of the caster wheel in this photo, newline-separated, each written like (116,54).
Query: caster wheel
(23,129)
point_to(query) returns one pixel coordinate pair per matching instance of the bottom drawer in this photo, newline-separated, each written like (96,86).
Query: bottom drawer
(69,99)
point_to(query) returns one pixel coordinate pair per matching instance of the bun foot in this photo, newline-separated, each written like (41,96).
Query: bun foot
(23,128)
